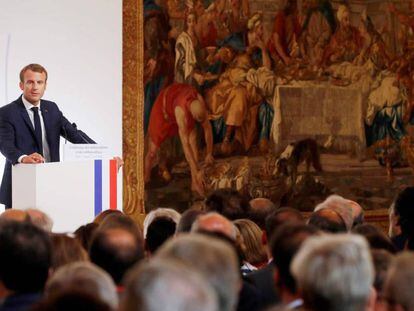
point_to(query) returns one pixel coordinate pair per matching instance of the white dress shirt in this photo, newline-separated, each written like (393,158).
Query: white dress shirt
(46,150)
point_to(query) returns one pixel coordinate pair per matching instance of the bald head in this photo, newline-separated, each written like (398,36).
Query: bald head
(328,220)
(214,222)
(14,214)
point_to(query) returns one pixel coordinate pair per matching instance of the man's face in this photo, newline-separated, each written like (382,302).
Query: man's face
(346,22)
(34,86)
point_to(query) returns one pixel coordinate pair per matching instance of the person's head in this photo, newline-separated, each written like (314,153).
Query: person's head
(40,219)
(405,213)
(285,243)
(259,210)
(190,21)
(382,261)
(327,220)
(228,202)
(343,16)
(162,284)
(187,219)
(254,251)
(282,216)
(25,256)
(122,221)
(398,287)
(214,222)
(198,110)
(216,260)
(66,250)
(255,25)
(115,250)
(159,231)
(33,78)
(72,299)
(160,212)
(85,233)
(345,208)
(102,215)
(375,237)
(86,277)
(14,214)
(335,273)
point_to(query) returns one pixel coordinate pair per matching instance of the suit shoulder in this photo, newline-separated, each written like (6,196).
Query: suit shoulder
(49,104)
(9,107)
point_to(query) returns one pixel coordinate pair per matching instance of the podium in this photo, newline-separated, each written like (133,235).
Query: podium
(71,193)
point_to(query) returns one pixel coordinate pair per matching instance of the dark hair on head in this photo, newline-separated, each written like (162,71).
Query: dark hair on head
(285,243)
(281,216)
(33,67)
(326,223)
(25,256)
(115,258)
(85,233)
(159,231)
(229,203)
(66,250)
(404,208)
(187,219)
(102,215)
(375,237)
(259,210)
(71,299)
(382,260)
(119,220)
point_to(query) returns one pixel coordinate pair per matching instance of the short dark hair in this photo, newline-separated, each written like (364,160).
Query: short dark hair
(228,202)
(285,243)
(159,231)
(115,258)
(25,256)
(281,216)
(334,224)
(403,206)
(376,238)
(187,219)
(33,67)
(85,233)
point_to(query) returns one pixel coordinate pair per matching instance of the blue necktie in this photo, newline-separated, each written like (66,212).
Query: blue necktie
(38,128)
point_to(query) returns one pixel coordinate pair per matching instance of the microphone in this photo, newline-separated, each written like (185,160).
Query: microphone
(86,139)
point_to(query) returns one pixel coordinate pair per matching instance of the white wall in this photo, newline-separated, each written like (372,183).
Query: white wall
(80,44)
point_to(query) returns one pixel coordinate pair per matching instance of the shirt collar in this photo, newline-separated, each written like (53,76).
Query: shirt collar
(29,105)
(295,304)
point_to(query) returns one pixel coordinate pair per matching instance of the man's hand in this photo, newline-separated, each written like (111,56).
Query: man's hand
(119,162)
(33,158)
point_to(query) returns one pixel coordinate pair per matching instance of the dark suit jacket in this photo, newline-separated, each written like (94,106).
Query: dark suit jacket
(17,137)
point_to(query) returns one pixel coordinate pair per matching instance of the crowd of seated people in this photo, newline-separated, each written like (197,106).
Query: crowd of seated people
(229,254)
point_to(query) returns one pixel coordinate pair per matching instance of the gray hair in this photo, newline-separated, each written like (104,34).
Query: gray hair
(341,205)
(40,219)
(160,212)
(334,272)
(213,258)
(168,285)
(398,289)
(86,276)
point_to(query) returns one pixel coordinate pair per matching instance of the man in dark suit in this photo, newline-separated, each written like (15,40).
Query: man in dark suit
(30,128)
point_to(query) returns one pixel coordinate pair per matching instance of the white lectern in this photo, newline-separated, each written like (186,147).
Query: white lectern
(71,193)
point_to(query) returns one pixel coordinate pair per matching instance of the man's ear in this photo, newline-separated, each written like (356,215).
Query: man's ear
(264,238)
(372,299)
(21,85)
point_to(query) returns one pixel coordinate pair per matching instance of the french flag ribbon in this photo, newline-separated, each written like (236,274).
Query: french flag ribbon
(105,185)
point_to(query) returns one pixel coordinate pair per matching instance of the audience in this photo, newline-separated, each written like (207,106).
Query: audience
(187,219)
(160,230)
(66,250)
(328,220)
(254,252)
(215,260)
(167,284)
(25,260)
(398,287)
(116,249)
(160,212)
(235,255)
(259,209)
(86,277)
(285,243)
(335,272)
(229,203)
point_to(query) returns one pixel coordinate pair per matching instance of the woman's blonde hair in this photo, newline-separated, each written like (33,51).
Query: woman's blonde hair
(254,251)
